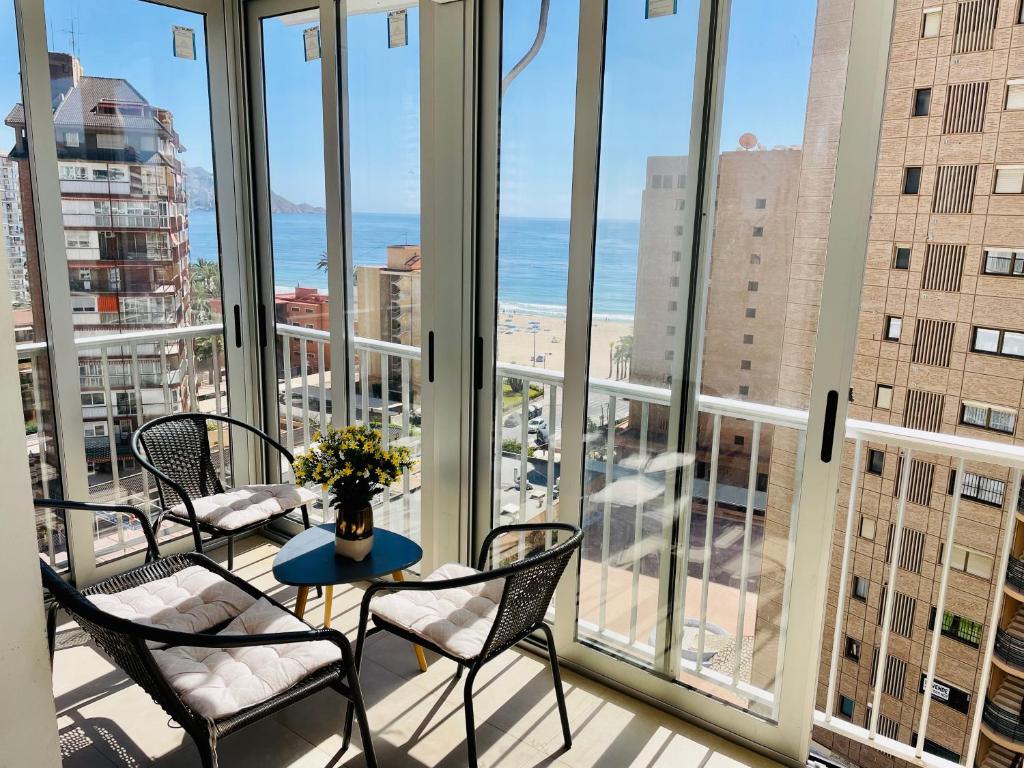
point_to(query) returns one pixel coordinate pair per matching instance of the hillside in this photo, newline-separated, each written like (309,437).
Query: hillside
(199,188)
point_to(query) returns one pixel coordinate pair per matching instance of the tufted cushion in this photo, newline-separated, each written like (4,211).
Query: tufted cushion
(247,504)
(191,600)
(219,682)
(457,620)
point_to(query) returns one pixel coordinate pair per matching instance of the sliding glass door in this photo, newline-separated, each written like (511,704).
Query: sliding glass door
(651,303)
(339,253)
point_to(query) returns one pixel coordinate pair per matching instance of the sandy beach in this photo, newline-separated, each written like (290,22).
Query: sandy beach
(516,341)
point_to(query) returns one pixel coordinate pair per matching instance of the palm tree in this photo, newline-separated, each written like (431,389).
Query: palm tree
(205,283)
(622,356)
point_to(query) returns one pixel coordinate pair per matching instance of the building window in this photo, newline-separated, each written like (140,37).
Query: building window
(72,139)
(846,706)
(1015,93)
(984,490)
(680,205)
(883,396)
(752,286)
(1000,261)
(670,330)
(744,365)
(893,328)
(674,282)
(988,417)
(901,257)
(931,22)
(679,231)
(922,101)
(673,306)
(677,256)
(852,649)
(669,354)
(963,630)
(748,338)
(996,341)
(860,588)
(761,203)
(947,694)
(758,232)
(1009,180)
(968,561)
(751,312)
(109,141)
(867,528)
(744,390)
(876,461)
(912,180)
(755,258)
(738,440)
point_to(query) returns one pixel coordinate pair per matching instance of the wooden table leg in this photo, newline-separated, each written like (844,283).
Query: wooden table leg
(328,599)
(300,601)
(421,658)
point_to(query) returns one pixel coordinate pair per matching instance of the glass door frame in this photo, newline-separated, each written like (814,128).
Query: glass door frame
(808,561)
(447,120)
(227,158)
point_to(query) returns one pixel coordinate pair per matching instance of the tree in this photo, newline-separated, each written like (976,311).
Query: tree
(623,356)
(204,279)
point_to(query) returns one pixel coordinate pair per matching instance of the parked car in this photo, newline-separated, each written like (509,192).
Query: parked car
(535,424)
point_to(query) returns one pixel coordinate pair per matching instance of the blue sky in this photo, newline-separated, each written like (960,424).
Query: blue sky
(648,90)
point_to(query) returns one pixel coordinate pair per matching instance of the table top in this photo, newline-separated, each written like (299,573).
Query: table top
(308,560)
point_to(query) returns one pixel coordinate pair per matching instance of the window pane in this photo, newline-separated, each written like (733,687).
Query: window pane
(1009,180)
(998,262)
(1013,344)
(986,340)
(139,199)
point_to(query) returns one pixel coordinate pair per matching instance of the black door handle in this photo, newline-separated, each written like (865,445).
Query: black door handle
(829,432)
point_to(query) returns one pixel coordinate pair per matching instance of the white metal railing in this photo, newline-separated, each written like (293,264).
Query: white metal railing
(111,368)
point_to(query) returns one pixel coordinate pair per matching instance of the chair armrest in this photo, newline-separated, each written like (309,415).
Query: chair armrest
(152,548)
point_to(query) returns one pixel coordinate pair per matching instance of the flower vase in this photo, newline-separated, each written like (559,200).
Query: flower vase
(353,531)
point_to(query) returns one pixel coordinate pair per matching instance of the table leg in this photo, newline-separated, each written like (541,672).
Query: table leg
(300,601)
(421,658)
(328,599)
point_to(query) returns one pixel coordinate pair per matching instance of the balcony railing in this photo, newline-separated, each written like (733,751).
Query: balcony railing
(1010,648)
(1004,721)
(621,415)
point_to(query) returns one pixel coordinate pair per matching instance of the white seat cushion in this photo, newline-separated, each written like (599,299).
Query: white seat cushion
(457,620)
(191,600)
(219,682)
(247,504)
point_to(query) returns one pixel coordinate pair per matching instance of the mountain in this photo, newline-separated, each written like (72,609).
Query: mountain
(200,192)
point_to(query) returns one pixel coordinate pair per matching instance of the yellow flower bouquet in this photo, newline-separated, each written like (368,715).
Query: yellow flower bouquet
(353,464)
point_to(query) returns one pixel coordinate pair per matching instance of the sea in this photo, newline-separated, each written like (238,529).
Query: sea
(533,256)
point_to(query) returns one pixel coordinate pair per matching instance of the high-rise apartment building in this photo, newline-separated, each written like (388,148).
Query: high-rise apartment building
(127,246)
(12,230)
(940,348)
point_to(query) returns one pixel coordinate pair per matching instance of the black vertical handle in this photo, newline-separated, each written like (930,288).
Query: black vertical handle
(478,363)
(262,331)
(829,432)
(238,326)
(430,357)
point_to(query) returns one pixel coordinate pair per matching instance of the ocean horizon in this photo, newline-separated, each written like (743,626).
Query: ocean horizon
(533,256)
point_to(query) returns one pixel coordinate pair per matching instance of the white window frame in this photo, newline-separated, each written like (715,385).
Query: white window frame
(1009,180)
(931,22)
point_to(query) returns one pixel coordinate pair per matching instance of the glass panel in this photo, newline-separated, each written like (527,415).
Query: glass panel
(135,156)
(638,326)
(774,170)
(19,253)
(537,118)
(384,164)
(298,224)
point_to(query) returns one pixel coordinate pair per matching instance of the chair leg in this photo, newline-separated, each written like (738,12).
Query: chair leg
(207,749)
(356,703)
(364,620)
(51,631)
(458,671)
(467,695)
(231,553)
(556,677)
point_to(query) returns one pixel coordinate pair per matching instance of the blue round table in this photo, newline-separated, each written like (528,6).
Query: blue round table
(308,560)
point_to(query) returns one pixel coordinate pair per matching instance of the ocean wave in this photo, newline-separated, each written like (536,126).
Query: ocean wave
(556,310)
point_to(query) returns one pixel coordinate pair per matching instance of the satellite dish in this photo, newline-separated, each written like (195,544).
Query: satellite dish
(748,141)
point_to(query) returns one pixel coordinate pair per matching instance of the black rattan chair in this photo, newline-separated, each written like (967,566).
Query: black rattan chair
(175,449)
(131,645)
(525,595)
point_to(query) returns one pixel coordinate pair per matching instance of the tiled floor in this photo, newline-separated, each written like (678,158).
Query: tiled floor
(416,718)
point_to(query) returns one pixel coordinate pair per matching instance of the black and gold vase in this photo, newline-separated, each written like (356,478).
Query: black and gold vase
(353,532)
